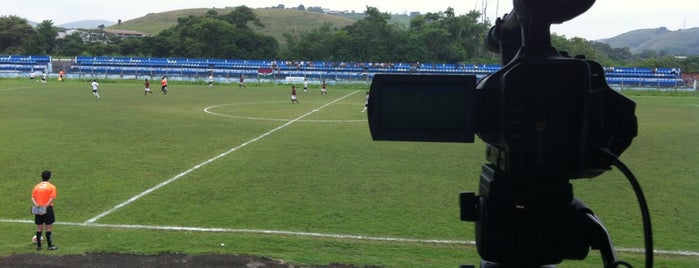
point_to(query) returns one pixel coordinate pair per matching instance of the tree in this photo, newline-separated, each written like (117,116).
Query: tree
(240,17)
(315,9)
(314,44)
(619,56)
(686,65)
(372,38)
(648,54)
(438,42)
(101,49)
(211,13)
(210,38)
(579,46)
(46,35)
(449,38)
(14,33)
(131,46)
(215,36)
(157,46)
(72,45)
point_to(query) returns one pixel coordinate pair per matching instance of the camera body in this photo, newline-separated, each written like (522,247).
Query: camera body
(545,117)
(542,117)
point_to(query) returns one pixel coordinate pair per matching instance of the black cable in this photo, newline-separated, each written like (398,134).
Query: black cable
(620,263)
(645,214)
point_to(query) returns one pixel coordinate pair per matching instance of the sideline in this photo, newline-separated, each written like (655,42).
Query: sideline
(251,231)
(186,172)
(321,235)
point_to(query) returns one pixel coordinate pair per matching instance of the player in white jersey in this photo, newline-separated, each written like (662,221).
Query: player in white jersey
(95,85)
(366,102)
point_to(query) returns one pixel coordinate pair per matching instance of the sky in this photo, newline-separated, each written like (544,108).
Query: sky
(607,18)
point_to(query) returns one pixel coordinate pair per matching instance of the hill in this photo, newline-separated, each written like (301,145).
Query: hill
(86,24)
(681,42)
(279,21)
(276,21)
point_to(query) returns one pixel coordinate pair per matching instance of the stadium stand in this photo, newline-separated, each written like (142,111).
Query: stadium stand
(198,68)
(644,77)
(349,71)
(281,71)
(13,66)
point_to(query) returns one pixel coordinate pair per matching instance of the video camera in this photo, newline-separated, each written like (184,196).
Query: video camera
(545,117)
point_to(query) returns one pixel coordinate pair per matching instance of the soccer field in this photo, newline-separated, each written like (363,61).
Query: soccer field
(245,168)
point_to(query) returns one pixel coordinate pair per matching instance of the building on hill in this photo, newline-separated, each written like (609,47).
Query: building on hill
(126,33)
(100,35)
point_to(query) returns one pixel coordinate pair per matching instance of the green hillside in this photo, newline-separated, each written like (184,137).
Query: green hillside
(279,21)
(276,21)
(681,42)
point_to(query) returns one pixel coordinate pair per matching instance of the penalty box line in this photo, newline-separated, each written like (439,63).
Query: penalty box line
(192,169)
(685,253)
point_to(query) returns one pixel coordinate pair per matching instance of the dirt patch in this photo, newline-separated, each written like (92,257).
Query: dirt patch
(162,260)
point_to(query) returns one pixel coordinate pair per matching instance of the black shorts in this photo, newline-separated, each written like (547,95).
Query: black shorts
(48,218)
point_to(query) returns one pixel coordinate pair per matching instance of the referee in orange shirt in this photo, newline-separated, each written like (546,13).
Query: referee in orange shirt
(163,85)
(43,195)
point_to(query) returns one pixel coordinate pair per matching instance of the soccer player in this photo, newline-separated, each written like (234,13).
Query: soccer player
(163,85)
(95,85)
(366,102)
(31,76)
(43,77)
(211,81)
(147,90)
(43,195)
(241,84)
(60,75)
(323,89)
(293,95)
(305,85)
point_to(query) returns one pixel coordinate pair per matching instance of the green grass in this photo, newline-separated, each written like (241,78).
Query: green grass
(321,174)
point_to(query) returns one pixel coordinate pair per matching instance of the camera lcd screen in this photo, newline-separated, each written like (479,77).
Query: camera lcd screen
(422,107)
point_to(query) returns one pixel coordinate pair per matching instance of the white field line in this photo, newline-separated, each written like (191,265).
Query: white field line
(14,88)
(209,109)
(252,231)
(186,172)
(320,235)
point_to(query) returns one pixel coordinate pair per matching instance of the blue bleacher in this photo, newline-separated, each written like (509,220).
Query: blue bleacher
(232,68)
(643,77)
(24,63)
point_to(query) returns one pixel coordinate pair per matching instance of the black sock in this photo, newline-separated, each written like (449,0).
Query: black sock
(49,239)
(38,239)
